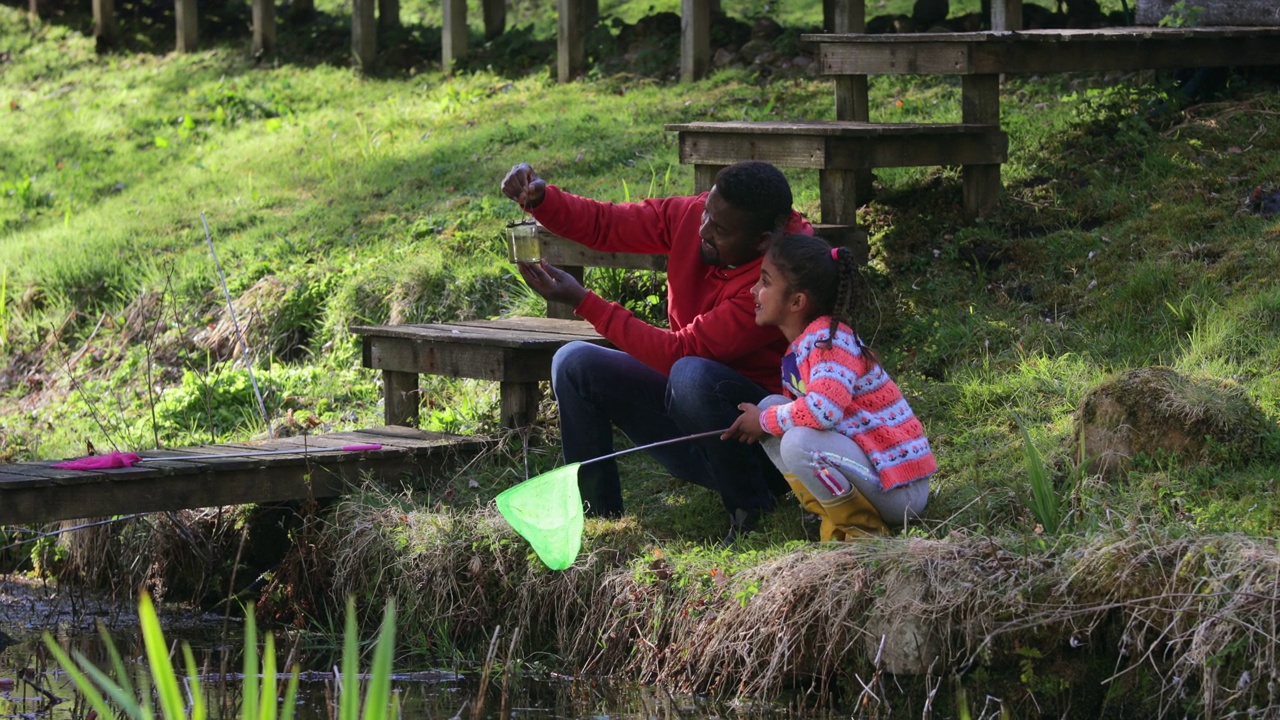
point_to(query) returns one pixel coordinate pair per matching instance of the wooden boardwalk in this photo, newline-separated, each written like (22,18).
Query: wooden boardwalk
(37,493)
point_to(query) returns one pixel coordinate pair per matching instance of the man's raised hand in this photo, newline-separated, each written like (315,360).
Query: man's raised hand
(524,186)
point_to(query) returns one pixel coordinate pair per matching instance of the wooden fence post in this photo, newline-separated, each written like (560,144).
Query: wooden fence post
(364,34)
(695,39)
(264,27)
(453,42)
(185,18)
(104,24)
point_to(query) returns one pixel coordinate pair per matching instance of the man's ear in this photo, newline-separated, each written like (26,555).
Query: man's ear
(765,239)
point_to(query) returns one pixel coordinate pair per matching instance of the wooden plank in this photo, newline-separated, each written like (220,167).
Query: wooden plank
(113,493)
(482,362)
(454,38)
(946,144)
(515,333)
(185,21)
(364,34)
(104,25)
(264,27)
(1046,51)
(695,39)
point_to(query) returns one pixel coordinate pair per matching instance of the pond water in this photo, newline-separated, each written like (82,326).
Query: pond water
(32,687)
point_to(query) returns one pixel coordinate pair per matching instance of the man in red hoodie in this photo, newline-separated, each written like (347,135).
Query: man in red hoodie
(663,383)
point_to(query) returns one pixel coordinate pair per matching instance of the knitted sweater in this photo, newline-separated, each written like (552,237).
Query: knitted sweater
(710,310)
(839,388)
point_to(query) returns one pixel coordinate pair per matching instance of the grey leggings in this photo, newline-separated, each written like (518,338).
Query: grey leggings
(810,455)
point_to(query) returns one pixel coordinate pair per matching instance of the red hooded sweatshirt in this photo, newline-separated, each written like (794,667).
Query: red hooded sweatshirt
(710,309)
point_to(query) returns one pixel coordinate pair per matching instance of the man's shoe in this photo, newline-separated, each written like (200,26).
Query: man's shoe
(741,522)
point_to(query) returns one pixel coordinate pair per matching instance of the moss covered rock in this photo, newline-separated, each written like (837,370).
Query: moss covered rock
(1157,410)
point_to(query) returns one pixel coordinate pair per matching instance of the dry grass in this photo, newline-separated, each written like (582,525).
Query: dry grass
(1133,622)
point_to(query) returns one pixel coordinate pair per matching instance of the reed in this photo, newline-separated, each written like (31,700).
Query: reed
(112,695)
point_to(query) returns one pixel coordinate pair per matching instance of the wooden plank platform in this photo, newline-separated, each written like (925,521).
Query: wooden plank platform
(842,150)
(1045,51)
(515,352)
(165,480)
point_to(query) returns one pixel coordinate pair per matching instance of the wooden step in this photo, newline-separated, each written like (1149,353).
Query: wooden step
(844,152)
(841,144)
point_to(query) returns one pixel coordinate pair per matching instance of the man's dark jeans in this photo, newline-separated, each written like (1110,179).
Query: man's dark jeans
(598,389)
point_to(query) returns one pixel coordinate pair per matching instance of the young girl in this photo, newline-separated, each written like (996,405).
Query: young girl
(844,438)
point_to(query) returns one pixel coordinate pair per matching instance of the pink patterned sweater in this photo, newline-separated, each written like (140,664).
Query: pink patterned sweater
(839,388)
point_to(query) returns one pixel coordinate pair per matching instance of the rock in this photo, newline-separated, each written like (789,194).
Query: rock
(765,29)
(1153,410)
(911,642)
(754,49)
(724,58)
(926,13)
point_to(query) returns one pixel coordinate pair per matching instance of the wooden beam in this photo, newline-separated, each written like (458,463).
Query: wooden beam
(104,24)
(364,34)
(695,39)
(454,40)
(185,19)
(264,27)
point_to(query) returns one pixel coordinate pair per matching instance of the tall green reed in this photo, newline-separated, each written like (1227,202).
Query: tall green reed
(112,695)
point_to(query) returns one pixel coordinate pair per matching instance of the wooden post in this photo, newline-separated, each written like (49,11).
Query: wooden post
(388,16)
(495,18)
(571,33)
(400,397)
(695,39)
(850,16)
(519,403)
(839,196)
(704,176)
(264,27)
(104,24)
(33,10)
(184,17)
(453,42)
(364,34)
(980,103)
(1006,15)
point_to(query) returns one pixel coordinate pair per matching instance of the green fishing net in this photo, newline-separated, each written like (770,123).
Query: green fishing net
(547,511)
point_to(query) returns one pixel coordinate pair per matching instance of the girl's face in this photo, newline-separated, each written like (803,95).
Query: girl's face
(772,296)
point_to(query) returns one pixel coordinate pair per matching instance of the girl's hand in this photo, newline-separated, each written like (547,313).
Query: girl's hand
(747,427)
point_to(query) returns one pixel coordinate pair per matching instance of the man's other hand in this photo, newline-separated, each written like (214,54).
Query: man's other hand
(524,186)
(552,283)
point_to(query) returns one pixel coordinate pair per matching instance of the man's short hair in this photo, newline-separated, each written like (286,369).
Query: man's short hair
(758,189)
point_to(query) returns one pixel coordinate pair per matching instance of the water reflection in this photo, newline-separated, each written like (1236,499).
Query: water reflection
(32,687)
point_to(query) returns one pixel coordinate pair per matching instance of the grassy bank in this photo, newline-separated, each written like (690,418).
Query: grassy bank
(1126,239)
